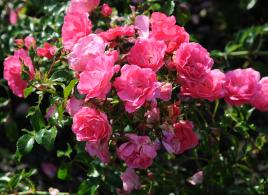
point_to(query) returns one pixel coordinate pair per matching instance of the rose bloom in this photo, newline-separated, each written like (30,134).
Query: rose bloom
(147,53)
(241,85)
(164,91)
(165,28)
(142,23)
(138,152)
(47,51)
(106,10)
(95,80)
(135,86)
(13,17)
(210,87)
(86,49)
(130,181)
(193,61)
(101,150)
(75,26)
(73,105)
(119,31)
(91,125)
(180,138)
(29,42)
(19,42)
(13,68)
(260,100)
(81,6)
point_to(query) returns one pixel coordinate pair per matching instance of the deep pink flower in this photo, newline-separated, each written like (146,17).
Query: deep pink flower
(29,42)
(165,28)
(47,51)
(130,181)
(99,149)
(75,26)
(163,91)
(73,105)
(86,50)
(13,17)
(138,152)
(106,10)
(13,69)
(95,80)
(91,125)
(193,61)
(180,138)
(147,53)
(119,31)
(210,87)
(135,86)
(241,85)
(83,6)
(260,100)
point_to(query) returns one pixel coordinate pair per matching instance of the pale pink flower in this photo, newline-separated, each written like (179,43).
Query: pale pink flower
(13,69)
(197,178)
(29,42)
(241,85)
(135,86)
(91,125)
(130,181)
(260,100)
(75,26)
(99,149)
(193,61)
(210,87)
(47,51)
(138,152)
(165,28)
(81,6)
(147,53)
(73,105)
(142,23)
(106,10)
(13,17)
(86,50)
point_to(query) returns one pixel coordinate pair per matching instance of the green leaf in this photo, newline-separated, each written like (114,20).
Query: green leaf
(86,187)
(46,137)
(28,91)
(169,7)
(64,172)
(66,153)
(25,144)
(62,75)
(37,120)
(67,91)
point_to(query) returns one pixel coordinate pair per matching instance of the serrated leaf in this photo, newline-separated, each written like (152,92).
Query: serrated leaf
(25,144)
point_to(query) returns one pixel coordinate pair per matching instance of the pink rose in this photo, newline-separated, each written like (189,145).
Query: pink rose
(106,10)
(193,61)
(13,17)
(241,85)
(142,23)
(29,42)
(81,6)
(210,87)
(95,80)
(73,105)
(119,31)
(101,150)
(19,42)
(163,91)
(165,28)
(13,69)
(260,100)
(91,125)
(180,138)
(47,51)
(153,115)
(147,53)
(75,26)
(130,181)
(138,152)
(85,50)
(135,86)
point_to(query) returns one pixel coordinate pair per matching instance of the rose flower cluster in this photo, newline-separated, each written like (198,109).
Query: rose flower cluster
(105,67)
